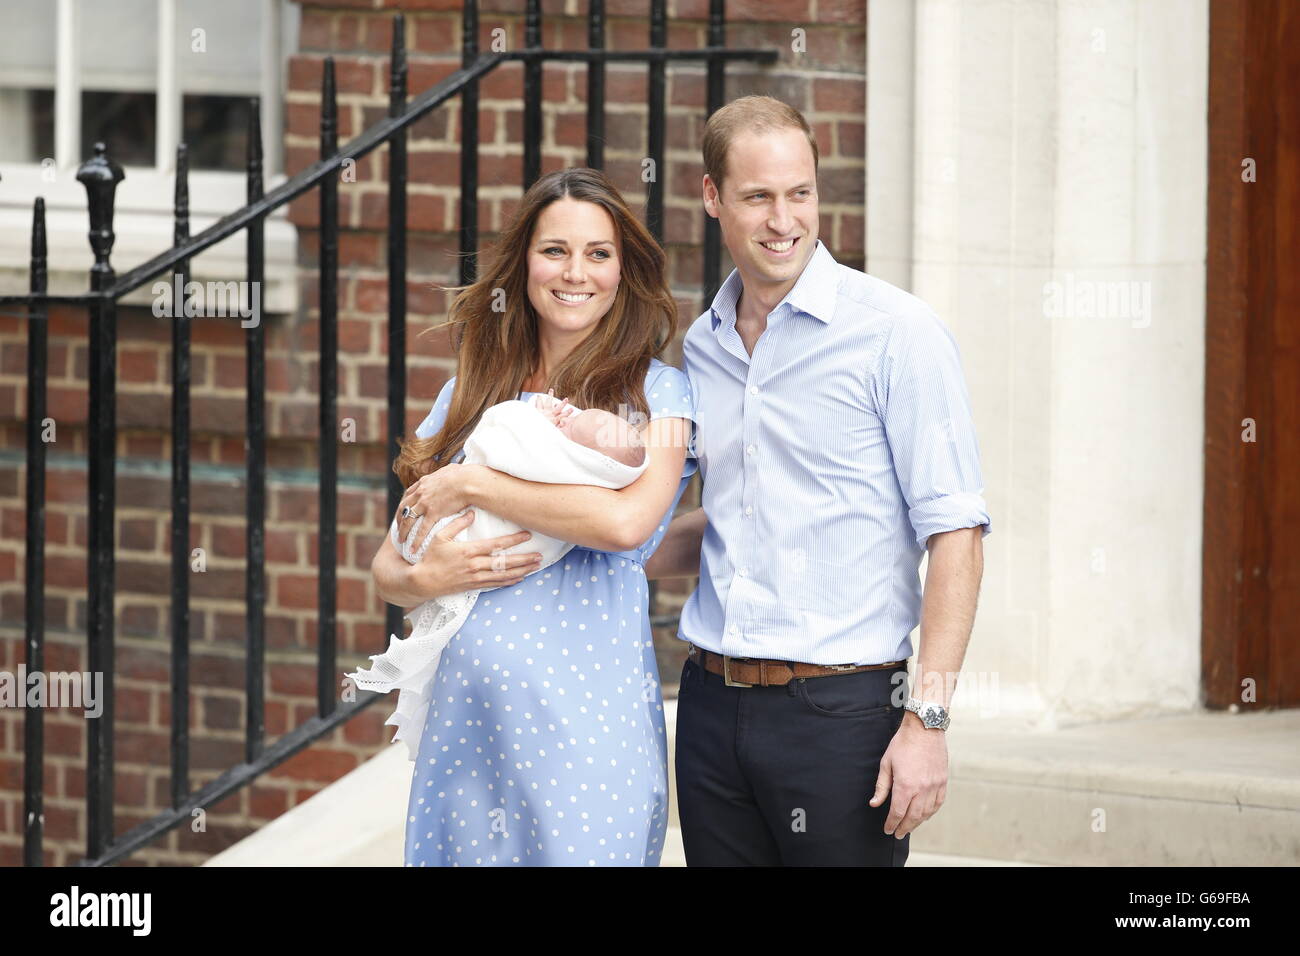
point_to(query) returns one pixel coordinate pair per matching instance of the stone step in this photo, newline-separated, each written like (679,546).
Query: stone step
(1193,789)
(1198,789)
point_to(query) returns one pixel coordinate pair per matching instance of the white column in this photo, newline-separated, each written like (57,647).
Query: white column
(274,60)
(890,108)
(1058,190)
(67,88)
(169,94)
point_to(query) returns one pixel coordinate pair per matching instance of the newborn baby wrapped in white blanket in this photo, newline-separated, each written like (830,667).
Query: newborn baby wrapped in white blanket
(533,440)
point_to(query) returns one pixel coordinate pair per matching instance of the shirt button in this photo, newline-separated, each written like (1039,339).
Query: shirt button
(753,390)
(749,450)
(749,509)
(743,572)
(733,629)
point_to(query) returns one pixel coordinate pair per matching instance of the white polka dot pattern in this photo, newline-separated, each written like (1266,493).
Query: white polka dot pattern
(545,742)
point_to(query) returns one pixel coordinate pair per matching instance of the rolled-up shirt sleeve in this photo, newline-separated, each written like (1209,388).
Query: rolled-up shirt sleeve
(922,399)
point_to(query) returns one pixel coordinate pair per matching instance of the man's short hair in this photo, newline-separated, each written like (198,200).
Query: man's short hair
(748,114)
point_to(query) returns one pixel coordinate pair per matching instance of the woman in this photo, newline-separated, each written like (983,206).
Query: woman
(545,740)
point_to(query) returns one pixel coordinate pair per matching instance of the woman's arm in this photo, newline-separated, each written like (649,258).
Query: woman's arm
(394,578)
(600,518)
(591,517)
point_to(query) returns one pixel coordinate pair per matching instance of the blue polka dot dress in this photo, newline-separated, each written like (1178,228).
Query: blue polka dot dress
(545,742)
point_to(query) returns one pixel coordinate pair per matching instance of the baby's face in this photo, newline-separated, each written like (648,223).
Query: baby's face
(596,429)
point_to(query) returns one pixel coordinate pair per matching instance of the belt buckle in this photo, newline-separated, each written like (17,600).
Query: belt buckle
(726,674)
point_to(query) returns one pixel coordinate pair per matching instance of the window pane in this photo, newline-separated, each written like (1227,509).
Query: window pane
(219,46)
(27,49)
(119,45)
(119,79)
(124,122)
(27,43)
(27,118)
(216,131)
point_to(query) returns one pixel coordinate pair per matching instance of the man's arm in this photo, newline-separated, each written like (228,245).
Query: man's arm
(914,768)
(678,554)
(920,394)
(952,580)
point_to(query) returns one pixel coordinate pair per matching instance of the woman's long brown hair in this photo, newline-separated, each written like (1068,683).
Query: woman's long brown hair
(496,351)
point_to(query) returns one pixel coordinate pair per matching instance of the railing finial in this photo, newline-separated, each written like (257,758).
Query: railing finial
(38,243)
(181,199)
(253,174)
(329,110)
(100,175)
(397,68)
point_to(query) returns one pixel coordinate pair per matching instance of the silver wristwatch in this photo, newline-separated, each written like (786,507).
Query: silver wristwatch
(932,715)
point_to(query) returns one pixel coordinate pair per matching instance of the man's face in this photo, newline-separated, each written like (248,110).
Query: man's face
(768,206)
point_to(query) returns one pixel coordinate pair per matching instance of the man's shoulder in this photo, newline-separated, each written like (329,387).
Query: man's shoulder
(697,331)
(882,301)
(700,324)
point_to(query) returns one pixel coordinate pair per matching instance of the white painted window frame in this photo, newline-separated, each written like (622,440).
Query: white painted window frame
(143,208)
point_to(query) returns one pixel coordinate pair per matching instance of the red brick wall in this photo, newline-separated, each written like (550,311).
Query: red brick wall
(143,575)
(826,82)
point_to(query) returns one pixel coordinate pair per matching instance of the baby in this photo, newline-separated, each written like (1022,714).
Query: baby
(594,428)
(603,432)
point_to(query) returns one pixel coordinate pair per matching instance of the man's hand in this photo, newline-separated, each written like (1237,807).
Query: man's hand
(914,767)
(913,774)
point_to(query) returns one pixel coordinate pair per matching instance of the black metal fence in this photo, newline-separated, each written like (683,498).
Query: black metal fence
(100,175)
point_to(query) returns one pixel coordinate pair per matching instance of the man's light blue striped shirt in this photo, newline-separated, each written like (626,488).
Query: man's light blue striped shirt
(828,458)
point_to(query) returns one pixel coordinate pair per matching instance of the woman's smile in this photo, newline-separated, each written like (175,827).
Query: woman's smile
(571,298)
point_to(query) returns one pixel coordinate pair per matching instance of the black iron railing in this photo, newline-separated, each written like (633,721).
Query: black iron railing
(100,176)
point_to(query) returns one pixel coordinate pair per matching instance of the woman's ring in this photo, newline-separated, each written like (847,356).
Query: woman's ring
(406,511)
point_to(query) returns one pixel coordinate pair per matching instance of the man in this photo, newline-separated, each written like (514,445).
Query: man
(836,446)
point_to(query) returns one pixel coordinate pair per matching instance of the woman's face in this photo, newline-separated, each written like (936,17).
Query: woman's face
(573,269)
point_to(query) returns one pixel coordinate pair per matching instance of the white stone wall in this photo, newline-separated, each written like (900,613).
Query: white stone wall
(1036,171)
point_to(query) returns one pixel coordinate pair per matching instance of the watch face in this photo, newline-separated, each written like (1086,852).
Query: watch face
(932,715)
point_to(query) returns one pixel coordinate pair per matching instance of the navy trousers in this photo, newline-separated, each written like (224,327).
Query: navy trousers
(781,776)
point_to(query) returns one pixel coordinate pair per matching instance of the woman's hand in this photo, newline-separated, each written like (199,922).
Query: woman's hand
(431,497)
(449,566)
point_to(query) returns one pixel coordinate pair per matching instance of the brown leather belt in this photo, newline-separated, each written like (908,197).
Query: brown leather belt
(765,672)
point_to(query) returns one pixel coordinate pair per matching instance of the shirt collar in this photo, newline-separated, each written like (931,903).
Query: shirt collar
(814,292)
